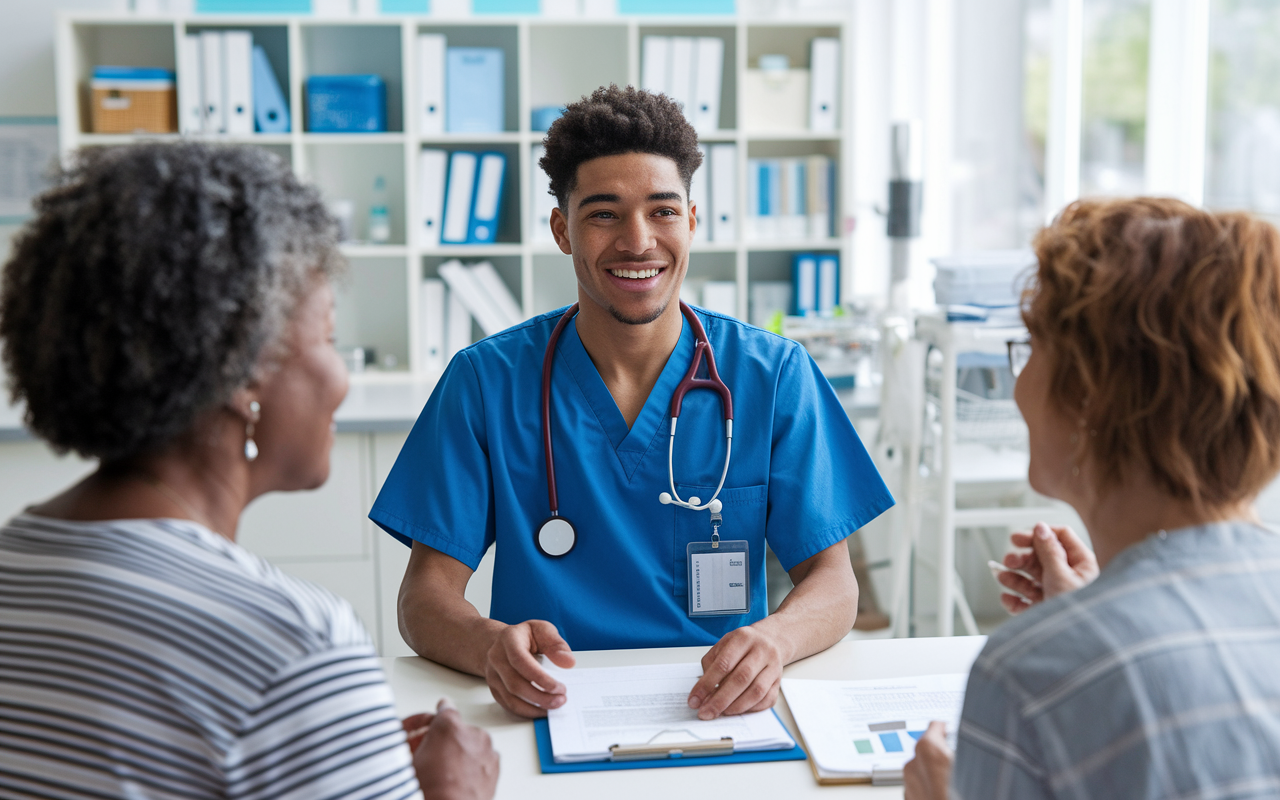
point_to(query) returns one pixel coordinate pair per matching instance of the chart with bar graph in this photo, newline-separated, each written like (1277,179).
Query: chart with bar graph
(857,728)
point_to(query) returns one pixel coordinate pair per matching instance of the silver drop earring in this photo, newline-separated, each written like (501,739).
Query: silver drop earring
(250,446)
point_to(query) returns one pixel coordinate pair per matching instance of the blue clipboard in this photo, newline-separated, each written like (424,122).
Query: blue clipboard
(542,732)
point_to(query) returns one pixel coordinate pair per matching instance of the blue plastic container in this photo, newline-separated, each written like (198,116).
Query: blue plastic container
(346,104)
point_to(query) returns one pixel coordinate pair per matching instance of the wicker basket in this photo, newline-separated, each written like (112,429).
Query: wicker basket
(118,109)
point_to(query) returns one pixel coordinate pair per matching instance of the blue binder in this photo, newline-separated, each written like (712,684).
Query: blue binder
(483,228)
(270,109)
(548,765)
(474,101)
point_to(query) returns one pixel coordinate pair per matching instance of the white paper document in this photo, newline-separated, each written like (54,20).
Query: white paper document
(645,705)
(860,730)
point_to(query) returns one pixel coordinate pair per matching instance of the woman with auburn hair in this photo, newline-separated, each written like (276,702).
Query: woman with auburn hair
(1151,391)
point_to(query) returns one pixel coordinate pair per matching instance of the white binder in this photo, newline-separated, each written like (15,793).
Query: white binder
(700,196)
(431,171)
(431,318)
(457,332)
(457,200)
(431,54)
(805,268)
(464,285)
(828,284)
(489,281)
(824,84)
(793,221)
(543,200)
(706,87)
(215,117)
(655,64)
(724,192)
(237,52)
(680,79)
(190,94)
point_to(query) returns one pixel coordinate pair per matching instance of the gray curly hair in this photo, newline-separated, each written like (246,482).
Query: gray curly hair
(154,281)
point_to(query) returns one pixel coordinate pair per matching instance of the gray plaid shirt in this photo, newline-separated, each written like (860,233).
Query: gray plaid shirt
(1161,679)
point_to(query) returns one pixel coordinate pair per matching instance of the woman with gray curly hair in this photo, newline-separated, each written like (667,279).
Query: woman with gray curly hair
(169,313)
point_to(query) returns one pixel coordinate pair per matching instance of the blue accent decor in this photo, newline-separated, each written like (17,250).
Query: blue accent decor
(543,116)
(253,6)
(406,6)
(346,104)
(891,742)
(505,7)
(915,734)
(651,7)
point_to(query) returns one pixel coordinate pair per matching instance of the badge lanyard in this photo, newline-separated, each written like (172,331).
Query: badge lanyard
(719,575)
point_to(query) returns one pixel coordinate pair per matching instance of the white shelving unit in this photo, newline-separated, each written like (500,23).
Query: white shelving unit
(548,62)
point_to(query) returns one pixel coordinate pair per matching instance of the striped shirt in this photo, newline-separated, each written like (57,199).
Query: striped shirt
(1161,679)
(156,659)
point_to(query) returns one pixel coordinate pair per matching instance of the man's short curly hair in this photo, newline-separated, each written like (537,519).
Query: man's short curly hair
(613,121)
(1162,323)
(149,286)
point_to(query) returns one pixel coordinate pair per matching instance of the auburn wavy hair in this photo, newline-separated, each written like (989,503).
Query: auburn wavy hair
(1163,323)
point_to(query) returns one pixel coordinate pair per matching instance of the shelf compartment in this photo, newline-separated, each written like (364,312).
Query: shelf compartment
(509,208)
(507,266)
(348,171)
(144,44)
(372,310)
(503,36)
(729,72)
(347,49)
(274,41)
(561,50)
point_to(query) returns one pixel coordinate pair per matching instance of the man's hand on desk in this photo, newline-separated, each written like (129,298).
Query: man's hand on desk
(453,760)
(927,776)
(518,682)
(741,673)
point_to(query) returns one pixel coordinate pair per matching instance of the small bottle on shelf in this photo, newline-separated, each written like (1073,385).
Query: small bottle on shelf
(379,217)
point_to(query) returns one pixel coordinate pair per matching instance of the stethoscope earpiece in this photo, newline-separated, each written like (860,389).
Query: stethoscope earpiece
(665,498)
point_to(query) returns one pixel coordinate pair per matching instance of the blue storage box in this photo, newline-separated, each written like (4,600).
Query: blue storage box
(346,104)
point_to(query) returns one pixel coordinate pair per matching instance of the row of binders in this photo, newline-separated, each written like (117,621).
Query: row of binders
(449,304)
(790,199)
(460,197)
(815,282)
(689,70)
(460,89)
(226,86)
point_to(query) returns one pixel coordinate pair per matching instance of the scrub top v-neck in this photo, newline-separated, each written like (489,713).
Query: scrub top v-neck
(472,475)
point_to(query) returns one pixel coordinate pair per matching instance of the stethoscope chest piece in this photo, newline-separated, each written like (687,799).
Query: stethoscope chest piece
(556,537)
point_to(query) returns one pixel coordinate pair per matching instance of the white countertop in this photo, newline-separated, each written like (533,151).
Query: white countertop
(418,684)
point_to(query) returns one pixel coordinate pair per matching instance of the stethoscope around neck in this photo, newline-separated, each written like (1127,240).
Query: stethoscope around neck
(556,536)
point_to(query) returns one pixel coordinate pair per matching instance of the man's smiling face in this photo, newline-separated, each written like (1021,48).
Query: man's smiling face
(628,226)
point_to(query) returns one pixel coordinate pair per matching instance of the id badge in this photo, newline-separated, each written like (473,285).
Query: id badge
(719,577)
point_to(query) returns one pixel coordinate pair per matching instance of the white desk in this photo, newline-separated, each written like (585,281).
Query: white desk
(418,684)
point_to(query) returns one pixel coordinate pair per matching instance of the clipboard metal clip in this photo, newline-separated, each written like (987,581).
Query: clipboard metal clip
(692,749)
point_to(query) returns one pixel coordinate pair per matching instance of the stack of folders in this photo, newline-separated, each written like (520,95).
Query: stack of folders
(460,89)
(461,196)
(815,284)
(790,199)
(689,70)
(450,302)
(226,85)
(866,731)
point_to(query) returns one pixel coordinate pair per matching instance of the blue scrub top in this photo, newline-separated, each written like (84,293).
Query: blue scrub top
(472,474)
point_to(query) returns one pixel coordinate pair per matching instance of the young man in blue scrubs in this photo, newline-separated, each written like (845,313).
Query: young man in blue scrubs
(473,473)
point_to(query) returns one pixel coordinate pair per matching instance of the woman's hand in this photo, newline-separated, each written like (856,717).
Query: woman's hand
(453,760)
(927,776)
(1058,561)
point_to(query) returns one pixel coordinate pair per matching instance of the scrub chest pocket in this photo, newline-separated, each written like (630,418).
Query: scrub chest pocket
(744,515)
